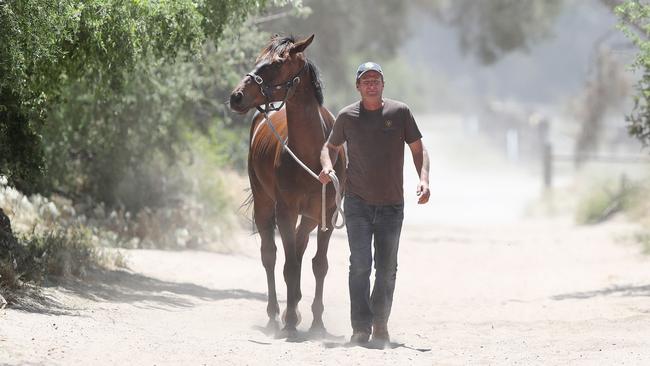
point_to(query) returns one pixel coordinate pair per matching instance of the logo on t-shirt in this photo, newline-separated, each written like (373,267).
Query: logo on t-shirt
(388,123)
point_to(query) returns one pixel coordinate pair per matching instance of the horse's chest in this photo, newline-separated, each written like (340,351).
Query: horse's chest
(293,178)
(299,190)
(298,185)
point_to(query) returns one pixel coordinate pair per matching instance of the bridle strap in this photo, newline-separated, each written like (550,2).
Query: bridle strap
(290,86)
(267,90)
(332,175)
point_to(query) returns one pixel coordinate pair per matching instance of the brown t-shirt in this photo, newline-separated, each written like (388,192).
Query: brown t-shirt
(375,149)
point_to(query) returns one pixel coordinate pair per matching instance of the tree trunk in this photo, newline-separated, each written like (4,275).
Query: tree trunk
(5,224)
(7,241)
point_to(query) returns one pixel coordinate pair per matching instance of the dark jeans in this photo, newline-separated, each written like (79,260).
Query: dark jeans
(365,221)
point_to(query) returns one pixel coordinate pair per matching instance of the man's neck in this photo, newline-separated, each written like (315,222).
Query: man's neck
(372,105)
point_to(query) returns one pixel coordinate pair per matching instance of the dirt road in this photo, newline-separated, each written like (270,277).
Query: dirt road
(534,293)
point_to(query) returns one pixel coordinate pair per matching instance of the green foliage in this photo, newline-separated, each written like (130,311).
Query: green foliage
(102,147)
(638,121)
(189,206)
(591,208)
(639,211)
(606,198)
(37,257)
(635,23)
(21,153)
(96,46)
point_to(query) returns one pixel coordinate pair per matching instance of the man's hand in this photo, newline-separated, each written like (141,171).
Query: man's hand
(324,175)
(423,193)
(421,161)
(328,155)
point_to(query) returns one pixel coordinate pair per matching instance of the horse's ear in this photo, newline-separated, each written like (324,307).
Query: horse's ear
(301,45)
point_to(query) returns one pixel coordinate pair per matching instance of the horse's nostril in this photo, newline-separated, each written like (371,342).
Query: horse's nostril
(235,98)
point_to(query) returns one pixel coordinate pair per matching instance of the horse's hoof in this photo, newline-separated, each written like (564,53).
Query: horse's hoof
(272,326)
(287,333)
(298,316)
(317,330)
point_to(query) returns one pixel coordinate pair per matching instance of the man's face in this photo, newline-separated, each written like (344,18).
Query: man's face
(370,85)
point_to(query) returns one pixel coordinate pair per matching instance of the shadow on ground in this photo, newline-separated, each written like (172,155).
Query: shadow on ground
(375,345)
(297,336)
(328,340)
(626,291)
(120,286)
(32,299)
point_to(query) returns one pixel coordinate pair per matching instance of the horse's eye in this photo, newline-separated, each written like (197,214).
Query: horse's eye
(269,68)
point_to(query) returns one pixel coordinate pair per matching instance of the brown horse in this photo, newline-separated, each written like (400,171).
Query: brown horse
(282,190)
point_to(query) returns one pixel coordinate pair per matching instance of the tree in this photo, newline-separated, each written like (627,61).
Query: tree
(117,149)
(635,17)
(47,45)
(606,89)
(488,30)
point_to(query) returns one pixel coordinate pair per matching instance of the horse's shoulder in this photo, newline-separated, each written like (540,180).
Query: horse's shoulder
(327,116)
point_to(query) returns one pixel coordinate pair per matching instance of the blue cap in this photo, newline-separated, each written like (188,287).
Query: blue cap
(368,66)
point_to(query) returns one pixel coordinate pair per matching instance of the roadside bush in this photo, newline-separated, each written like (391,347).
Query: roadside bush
(197,207)
(643,238)
(42,240)
(605,198)
(60,253)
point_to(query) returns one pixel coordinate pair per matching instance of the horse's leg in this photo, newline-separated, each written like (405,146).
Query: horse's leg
(264,209)
(287,218)
(320,267)
(306,226)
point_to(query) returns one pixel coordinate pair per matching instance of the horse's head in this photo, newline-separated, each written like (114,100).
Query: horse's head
(277,72)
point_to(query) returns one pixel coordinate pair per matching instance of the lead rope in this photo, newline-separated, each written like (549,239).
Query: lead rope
(332,175)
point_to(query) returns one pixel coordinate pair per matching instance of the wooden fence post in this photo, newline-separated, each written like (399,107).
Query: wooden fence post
(547,164)
(546,152)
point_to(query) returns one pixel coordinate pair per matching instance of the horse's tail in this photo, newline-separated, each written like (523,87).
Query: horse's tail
(248,209)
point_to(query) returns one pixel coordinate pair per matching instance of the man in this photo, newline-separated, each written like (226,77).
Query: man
(375,130)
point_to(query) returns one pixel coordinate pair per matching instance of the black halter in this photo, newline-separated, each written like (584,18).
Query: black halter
(267,90)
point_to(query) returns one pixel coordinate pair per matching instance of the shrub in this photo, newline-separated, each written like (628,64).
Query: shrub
(606,198)
(38,257)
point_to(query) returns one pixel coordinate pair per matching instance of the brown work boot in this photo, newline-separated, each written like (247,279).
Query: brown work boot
(359,337)
(380,334)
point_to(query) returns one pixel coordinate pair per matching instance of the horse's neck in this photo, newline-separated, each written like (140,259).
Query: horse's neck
(304,124)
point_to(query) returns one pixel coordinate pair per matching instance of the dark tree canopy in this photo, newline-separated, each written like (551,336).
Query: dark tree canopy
(46,46)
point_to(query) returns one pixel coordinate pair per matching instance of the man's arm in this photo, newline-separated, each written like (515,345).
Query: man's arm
(421,161)
(328,155)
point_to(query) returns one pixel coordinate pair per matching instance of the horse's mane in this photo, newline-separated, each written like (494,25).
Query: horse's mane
(278,49)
